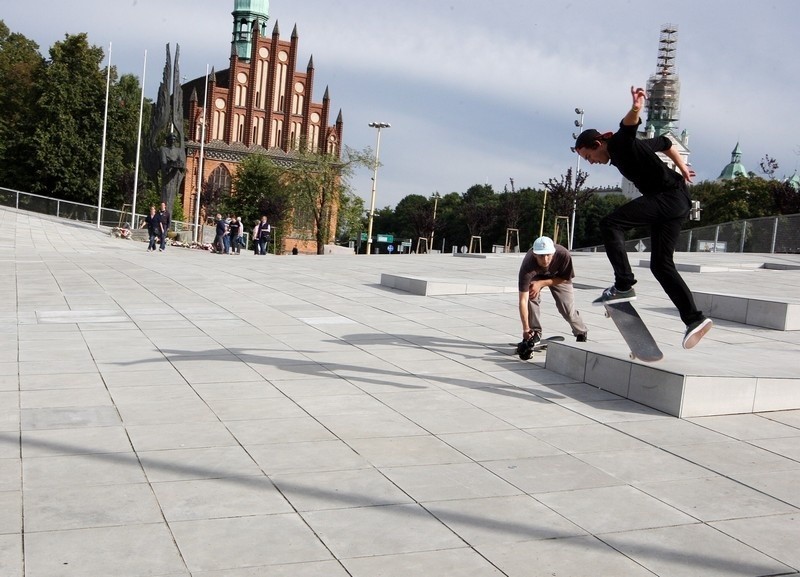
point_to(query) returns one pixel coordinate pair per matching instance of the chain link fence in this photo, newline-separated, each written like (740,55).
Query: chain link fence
(772,234)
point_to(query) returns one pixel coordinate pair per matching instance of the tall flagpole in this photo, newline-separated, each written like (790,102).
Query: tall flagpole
(200,162)
(103,153)
(138,147)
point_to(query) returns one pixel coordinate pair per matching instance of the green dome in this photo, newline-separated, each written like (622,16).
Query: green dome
(252,6)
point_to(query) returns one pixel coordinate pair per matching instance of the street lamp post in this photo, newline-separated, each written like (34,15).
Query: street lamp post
(436,198)
(377,125)
(579,124)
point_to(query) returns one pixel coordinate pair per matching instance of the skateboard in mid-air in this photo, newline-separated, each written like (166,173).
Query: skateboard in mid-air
(525,349)
(636,334)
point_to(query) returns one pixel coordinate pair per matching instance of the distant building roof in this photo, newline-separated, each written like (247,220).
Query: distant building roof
(794,181)
(735,167)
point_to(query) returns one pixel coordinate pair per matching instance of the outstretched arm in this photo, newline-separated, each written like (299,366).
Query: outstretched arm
(638,95)
(676,157)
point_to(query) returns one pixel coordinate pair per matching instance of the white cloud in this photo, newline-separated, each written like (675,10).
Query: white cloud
(479,91)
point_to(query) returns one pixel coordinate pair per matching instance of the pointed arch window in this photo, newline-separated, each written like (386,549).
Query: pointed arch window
(220,179)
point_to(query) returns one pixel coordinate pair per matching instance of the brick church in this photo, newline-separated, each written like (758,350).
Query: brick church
(262,104)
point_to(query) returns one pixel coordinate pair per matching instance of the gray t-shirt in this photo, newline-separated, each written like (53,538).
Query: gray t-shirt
(560,267)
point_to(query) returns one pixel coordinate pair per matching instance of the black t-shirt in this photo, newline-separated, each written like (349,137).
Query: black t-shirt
(636,159)
(560,267)
(234,228)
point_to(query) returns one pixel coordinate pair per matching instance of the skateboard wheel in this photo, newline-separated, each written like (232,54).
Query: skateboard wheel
(632,356)
(607,314)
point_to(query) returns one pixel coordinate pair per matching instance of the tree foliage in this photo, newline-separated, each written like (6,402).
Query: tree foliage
(317,182)
(258,191)
(20,66)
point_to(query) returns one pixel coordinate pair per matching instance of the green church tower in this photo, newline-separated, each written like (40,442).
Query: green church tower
(247,15)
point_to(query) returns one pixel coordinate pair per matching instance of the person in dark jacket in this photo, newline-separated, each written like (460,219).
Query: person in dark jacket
(153,223)
(663,206)
(166,221)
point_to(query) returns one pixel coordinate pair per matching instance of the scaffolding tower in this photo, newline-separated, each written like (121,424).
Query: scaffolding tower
(664,87)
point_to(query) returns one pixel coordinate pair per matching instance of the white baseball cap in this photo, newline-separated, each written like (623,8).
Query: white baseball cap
(543,245)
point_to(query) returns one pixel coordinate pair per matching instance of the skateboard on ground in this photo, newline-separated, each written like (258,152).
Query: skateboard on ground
(641,343)
(525,349)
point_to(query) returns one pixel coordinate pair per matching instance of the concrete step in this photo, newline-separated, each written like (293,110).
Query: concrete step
(717,380)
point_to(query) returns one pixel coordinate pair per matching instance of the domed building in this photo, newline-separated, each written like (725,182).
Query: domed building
(735,167)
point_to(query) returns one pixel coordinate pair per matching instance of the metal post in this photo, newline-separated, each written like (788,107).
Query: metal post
(138,146)
(579,124)
(774,236)
(103,148)
(744,234)
(377,125)
(200,163)
(435,204)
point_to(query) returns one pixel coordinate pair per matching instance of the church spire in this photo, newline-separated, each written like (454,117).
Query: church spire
(247,16)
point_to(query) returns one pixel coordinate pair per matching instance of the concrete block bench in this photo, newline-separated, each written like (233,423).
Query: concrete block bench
(439,287)
(780,314)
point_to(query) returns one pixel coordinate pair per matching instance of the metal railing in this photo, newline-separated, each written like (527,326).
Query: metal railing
(74,210)
(770,234)
(109,217)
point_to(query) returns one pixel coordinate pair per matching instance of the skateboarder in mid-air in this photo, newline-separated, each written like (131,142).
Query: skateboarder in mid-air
(664,206)
(547,265)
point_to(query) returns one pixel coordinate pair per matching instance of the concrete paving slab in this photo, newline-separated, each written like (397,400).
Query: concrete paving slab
(183,440)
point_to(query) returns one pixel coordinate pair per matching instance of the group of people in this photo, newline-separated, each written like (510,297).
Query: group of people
(664,205)
(157,224)
(229,237)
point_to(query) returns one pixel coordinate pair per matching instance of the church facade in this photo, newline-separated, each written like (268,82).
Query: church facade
(262,104)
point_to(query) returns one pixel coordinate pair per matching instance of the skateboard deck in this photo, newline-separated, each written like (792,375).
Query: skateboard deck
(636,334)
(526,351)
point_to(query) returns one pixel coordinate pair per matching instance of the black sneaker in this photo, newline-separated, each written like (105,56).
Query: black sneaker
(611,295)
(696,331)
(582,338)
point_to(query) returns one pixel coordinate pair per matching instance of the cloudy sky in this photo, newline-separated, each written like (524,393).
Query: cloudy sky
(481,92)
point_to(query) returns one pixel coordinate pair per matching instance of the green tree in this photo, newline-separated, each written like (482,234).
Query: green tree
(317,182)
(567,194)
(20,65)
(480,209)
(587,229)
(414,217)
(350,221)
(68,135)
(451,228)
(121,141)
(257,191)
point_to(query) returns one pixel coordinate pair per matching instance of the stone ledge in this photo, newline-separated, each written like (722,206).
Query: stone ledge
(686,267)
(779,314)
(684,384)
(439,287)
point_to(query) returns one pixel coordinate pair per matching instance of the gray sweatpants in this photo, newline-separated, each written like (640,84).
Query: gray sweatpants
(565,303)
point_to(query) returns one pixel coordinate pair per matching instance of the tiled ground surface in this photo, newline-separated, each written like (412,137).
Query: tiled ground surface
(186,413)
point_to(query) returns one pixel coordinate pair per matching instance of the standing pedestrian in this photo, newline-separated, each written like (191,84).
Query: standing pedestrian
(264,233)
(663,206)
(235,232)
(219,238)
(152,222)
(166,221)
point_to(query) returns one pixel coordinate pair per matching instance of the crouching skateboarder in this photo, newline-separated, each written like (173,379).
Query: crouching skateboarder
(547,265)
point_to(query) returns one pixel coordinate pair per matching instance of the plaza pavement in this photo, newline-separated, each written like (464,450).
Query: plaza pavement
(188,414)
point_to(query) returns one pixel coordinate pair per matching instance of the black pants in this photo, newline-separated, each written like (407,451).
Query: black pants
(665,213)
